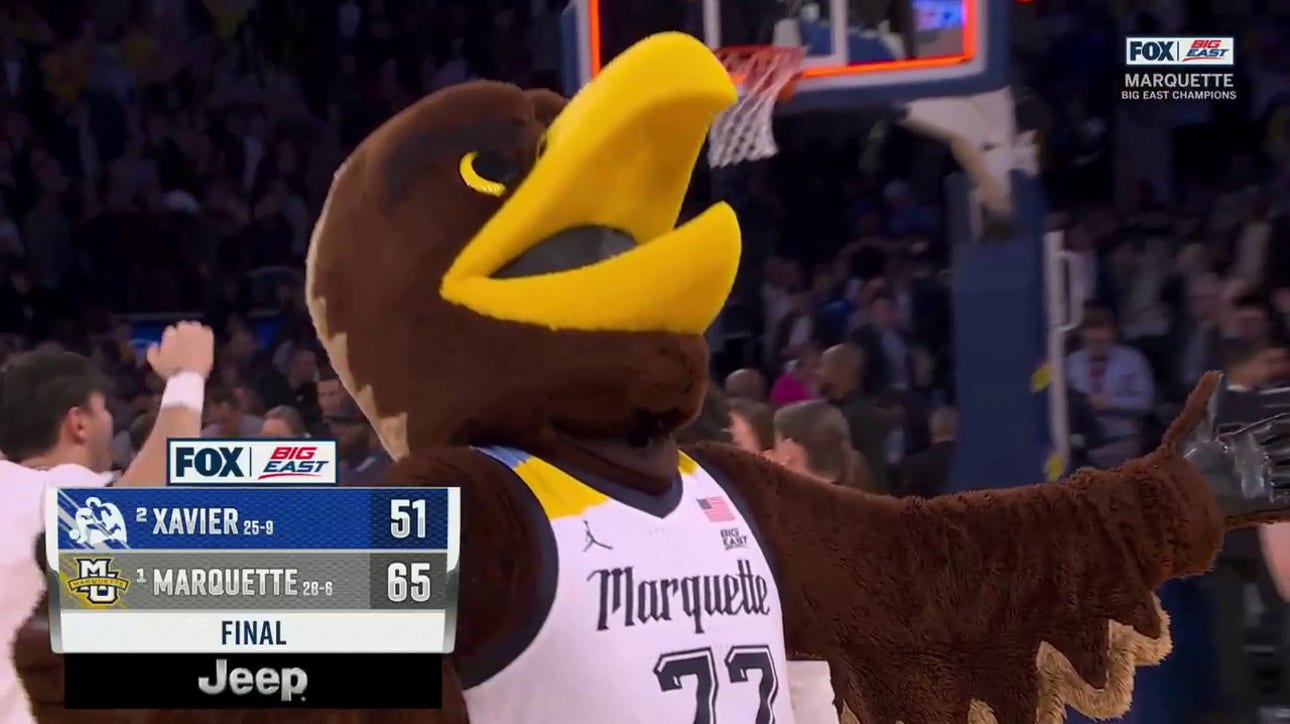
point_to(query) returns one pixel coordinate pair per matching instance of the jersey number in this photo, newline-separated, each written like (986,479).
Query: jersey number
(702,665)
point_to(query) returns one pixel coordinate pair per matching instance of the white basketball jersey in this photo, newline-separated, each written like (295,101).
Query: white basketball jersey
(22,520)
(653,609)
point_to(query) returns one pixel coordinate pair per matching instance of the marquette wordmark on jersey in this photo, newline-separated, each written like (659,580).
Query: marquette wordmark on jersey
(253,518)
(626,600)
(217,681)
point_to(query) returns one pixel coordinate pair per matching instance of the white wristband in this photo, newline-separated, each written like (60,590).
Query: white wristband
(185,389)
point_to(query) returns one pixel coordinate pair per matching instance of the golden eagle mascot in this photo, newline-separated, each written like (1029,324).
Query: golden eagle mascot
(500,281)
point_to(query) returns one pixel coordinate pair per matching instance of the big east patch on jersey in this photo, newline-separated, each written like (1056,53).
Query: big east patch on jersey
(251,462)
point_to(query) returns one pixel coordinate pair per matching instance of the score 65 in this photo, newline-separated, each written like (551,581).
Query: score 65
(410,518)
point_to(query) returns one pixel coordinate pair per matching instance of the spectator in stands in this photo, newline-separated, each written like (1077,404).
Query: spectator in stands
(920,304)
(905,215)
(138,432)
(780,302)
(1276,360)
(283,421)
(794,328)
(362,459)
(1116,378)
(25,307)
(1245,365)
(1142,270)
(239,353)
(746,384)
(248,399)
(296,387)
(926,472)
(1096,284)
(906,430)
(797,383)
(841,369)
(713,422)
(331,393)
(811,438)
(1255,236)
(889,359)
(1251,320)
(833,309)
(752,426)
(1198,334)
(1281,305)
(226,417)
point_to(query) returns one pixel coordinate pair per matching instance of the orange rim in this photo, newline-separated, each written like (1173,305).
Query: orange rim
(739,58)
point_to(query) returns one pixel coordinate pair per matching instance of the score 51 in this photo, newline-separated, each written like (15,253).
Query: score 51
(407,517)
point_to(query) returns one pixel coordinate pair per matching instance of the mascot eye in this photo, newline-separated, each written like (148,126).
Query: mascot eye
(487,172)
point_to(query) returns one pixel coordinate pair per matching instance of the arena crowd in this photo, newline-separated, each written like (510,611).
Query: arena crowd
(160,158)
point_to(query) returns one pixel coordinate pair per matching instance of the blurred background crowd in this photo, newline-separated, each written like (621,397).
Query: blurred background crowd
(164,158)
(169,157)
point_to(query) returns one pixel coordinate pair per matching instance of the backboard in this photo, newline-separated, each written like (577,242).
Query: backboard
(856,50)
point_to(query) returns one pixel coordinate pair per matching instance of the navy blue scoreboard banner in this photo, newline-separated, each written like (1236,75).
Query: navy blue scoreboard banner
(211,597)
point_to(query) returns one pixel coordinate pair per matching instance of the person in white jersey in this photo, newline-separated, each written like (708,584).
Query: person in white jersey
(56,430)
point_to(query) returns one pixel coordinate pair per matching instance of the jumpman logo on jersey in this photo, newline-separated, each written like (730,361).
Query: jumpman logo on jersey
(591,539)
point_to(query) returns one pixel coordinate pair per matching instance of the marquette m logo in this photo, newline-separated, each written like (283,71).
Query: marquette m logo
(96,583)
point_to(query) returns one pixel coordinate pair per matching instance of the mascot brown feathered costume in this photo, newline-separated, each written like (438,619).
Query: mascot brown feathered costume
(499,279)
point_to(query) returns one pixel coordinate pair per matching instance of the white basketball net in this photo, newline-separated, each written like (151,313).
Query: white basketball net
(743,132)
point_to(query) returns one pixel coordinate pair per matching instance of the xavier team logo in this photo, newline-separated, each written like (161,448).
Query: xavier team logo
(255,462)
(97,523)
(97,583)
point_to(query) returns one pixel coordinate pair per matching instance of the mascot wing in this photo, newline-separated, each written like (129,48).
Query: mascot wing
(990,607)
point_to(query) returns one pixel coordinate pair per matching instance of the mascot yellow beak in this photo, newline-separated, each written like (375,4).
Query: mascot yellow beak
(588,241)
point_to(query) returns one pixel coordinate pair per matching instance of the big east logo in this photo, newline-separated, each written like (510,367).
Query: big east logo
(293,461)
(242,462)
(1179,51)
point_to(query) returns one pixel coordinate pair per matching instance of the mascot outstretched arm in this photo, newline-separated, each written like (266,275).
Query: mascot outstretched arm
(499,280)
(1008,605)
(508,295)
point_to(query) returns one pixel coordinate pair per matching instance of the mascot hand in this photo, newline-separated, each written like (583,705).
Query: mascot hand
(1249,466)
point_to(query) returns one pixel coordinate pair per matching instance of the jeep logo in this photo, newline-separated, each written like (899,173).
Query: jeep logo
(287,684)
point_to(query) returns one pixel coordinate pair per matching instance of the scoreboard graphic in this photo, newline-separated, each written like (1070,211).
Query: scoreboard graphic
(203,579)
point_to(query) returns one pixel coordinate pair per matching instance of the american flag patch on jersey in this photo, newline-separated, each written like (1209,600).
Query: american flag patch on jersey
(717,509)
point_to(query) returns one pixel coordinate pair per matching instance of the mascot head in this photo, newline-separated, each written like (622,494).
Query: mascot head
(498,266)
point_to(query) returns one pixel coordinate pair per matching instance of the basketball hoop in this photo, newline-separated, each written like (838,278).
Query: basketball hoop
(763,75)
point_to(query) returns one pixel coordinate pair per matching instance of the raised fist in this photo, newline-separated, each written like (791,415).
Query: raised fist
(184,347)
